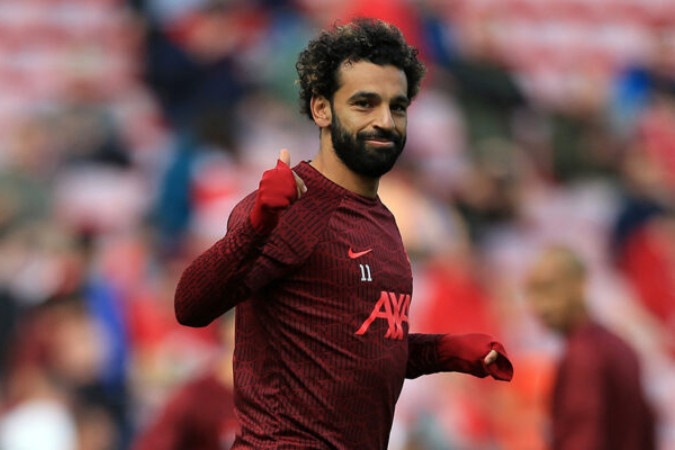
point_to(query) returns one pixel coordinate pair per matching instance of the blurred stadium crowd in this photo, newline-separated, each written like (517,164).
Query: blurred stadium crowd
(130,128)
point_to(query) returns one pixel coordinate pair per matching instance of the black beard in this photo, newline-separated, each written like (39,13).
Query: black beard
(361,159)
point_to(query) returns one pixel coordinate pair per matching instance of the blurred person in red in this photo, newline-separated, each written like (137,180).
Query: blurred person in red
(57,353)
(598,402)
(643,233)
(315,265)
(648,263)
(200,414)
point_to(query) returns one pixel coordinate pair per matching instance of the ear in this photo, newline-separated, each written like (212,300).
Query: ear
(321,111)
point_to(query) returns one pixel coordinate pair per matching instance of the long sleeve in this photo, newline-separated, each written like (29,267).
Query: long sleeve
(433,353)
(216,280)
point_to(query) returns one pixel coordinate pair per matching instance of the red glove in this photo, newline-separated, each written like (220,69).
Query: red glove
(466,353)
(277,190)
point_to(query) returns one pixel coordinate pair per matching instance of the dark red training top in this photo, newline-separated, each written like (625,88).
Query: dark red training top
(322,344)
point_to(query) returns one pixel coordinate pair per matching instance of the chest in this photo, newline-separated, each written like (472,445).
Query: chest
(364,254)
(358,273)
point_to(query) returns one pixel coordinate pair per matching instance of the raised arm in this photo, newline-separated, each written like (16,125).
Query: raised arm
(215,281)
(218,279)
(476,354)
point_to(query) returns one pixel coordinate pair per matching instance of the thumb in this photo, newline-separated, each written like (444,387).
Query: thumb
(285,156)
(491,357)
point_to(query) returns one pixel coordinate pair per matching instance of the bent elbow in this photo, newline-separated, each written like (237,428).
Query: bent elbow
(190,318)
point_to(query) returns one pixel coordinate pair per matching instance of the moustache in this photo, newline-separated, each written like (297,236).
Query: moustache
(381,135)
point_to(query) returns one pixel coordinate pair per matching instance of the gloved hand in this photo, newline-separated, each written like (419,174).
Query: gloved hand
(279,187)
(476,354)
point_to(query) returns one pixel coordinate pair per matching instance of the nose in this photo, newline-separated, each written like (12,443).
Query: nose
(384,118)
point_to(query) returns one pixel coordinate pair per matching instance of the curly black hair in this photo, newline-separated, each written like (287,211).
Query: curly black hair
(362,39)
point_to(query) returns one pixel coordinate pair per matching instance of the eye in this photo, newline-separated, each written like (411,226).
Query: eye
(399,108)
(362,103)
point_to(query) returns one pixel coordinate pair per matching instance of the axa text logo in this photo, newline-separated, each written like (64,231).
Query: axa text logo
(393,308)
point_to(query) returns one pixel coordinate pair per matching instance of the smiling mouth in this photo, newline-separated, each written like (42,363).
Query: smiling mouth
(380,142)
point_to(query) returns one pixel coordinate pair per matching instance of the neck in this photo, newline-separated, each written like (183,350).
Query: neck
(577,319)
(331,166)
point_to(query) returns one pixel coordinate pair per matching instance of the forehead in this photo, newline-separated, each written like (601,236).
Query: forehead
(543,270)
(550,269)
(364,76)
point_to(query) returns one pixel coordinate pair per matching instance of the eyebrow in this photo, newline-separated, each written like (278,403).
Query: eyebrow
(402,99)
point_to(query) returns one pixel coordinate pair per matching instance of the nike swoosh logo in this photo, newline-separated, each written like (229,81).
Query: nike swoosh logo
(353,255)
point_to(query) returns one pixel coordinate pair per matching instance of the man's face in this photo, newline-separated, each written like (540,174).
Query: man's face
(554,294)
(369,117)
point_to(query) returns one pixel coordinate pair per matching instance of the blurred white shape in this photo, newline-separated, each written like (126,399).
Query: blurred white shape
(38,424)
(100,199)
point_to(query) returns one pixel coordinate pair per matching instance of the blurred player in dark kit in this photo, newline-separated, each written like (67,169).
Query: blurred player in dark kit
(315,265)
(598,401)
(199,415)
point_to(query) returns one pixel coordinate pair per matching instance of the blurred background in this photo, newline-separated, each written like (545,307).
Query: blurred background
(131,127)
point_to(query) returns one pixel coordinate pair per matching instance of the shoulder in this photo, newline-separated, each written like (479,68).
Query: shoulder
(596,346)
(312,212)
(606,340)
(303,225)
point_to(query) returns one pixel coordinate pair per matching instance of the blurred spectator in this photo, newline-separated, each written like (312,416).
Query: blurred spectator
(24,176)
(192,54)
(164,354)
(644,196)
(655,136)
(486,89)
(55,359)
(643,237)
(639,82)
(41,420)
(85,132)
(70,326)
(598,400)
(33,270)
(489,193)
(581,146)
(648,262)
(199,415)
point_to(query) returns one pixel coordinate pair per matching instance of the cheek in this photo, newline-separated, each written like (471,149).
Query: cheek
(537,305)
(547,307)
(351,126)
(401,125)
